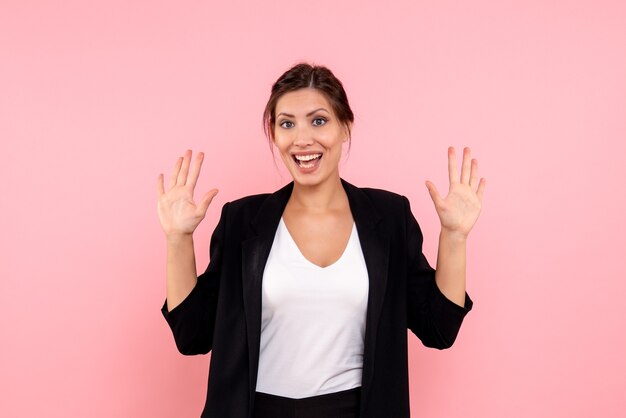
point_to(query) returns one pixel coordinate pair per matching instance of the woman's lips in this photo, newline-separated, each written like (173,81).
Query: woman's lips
(307,162)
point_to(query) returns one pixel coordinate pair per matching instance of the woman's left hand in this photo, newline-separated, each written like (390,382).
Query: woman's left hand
(459,210)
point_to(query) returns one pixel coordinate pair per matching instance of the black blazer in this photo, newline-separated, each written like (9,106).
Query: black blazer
(223,311)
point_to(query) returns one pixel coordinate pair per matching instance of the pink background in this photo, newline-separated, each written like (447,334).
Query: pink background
(97,98)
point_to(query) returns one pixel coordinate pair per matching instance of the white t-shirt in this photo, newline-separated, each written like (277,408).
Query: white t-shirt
(313,320)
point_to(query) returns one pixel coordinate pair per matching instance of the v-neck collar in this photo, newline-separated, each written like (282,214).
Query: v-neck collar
(301,255)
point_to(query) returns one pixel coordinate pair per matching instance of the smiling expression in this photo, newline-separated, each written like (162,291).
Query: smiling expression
(309,136)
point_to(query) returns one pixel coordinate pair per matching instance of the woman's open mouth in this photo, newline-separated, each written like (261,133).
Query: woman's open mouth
(307,162)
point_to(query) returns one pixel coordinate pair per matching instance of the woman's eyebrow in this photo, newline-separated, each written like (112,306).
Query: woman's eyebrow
(308,114)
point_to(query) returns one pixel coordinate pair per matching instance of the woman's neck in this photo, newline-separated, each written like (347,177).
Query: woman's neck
(324,197)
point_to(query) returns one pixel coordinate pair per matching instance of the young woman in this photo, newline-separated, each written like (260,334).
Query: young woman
(310,290)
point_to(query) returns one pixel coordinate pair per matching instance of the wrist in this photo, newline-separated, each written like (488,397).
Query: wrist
(178,238)
(452,235)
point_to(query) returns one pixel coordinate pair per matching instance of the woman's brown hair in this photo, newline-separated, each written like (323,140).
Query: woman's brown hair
(304,75)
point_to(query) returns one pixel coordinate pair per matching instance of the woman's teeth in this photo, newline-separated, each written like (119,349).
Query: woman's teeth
(307,161)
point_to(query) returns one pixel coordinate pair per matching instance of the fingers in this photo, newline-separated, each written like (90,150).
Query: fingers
(194,172)
(465,166)
(206,201)
(183,174)
(452,174)
(481,189)
(434,194)
(469,168)
(474,174)
(174,176)
(184,169)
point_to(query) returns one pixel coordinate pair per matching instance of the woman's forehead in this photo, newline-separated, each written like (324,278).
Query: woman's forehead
(302,101)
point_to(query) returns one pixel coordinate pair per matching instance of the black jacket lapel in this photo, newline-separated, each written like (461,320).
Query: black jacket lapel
(375,246)
(255,252)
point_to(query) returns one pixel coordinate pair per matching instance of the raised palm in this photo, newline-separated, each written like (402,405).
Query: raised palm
(178,213)
(459,210)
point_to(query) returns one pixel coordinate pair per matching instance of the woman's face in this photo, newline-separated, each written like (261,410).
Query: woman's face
(309,136)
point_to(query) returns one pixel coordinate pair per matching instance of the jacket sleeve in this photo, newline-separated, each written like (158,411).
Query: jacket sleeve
(193,321)
(431,316)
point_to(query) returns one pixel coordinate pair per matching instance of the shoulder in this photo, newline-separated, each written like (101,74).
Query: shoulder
(386,202)
(381,195)
(393,210)
(246,204)
(373,194)
(263,206)
(251,200)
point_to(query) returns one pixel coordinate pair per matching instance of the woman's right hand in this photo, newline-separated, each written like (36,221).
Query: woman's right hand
(178,214)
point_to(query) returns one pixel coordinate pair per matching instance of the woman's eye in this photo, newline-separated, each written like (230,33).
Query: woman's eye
(286,124)
(319,121)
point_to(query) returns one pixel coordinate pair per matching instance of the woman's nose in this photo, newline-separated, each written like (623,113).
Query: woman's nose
(304,137)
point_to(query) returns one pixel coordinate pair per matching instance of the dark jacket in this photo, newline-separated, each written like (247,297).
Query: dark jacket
(223,311)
